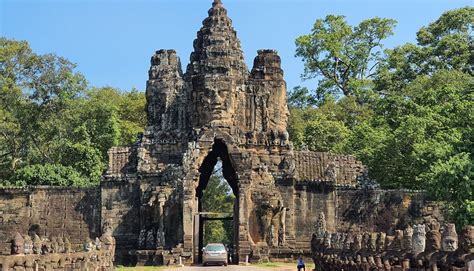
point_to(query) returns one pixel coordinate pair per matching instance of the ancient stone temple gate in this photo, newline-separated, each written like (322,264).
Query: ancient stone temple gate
(218,110)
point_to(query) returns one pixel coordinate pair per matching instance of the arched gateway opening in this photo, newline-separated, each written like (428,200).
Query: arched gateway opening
(217,167)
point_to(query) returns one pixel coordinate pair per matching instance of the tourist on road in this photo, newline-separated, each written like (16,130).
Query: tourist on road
(300,264)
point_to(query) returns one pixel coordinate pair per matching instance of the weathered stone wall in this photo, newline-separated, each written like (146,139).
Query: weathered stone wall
(322,167)
(120,204)
(349,209)
(50,212)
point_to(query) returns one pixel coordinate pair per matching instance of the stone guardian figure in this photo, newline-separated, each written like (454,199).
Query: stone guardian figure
(18,245)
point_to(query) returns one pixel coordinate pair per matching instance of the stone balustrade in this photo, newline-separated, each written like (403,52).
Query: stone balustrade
(423,247)
(35,253)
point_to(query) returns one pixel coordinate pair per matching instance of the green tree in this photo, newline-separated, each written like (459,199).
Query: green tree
(345,58)
(446,44)
(451,180)
(414,128)
(51,120)
(49,174)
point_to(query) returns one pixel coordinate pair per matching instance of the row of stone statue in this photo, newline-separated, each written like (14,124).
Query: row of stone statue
(26,245)
(36,245)
(423,247)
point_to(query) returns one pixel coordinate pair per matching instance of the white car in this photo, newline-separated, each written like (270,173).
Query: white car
(214,253)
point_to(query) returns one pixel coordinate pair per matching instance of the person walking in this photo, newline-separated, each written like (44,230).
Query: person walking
(300,265)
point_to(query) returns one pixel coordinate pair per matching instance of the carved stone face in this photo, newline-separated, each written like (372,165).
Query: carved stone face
(449,238)
(18,245)
(450,244)
(214,103)
(419,238)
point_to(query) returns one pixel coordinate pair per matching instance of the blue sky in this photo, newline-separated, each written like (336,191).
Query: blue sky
(112,40)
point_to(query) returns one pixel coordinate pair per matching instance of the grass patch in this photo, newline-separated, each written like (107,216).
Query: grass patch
(142,268)
(273,264)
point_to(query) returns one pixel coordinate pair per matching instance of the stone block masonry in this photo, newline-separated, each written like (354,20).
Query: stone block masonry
(49,212)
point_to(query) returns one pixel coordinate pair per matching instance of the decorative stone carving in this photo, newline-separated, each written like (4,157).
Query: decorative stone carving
(419,238)
(150,240)
(320,227)
(357,244)
(37,244)
(464,255)
(372,245)
(97,243)
(380,243)
(67,245)
(407,244)
(28,245)
(327,239)
(61,245)
(18,244)
(142,239)
(282,228)
(449,238)
(334,240)
(54,245)
(397,241)
(330,173)
(271,235)
(365,240)
(88,245)
(395,256)
(160,239)
(348,241)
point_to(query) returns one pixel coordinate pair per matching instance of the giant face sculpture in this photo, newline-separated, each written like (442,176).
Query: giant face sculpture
(215,102)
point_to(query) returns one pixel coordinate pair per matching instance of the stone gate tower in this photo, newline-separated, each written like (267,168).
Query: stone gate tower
(219,110)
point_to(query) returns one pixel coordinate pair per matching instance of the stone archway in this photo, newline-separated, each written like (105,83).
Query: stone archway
(219,151)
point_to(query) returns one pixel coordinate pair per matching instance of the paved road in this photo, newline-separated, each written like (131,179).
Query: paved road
(230,268)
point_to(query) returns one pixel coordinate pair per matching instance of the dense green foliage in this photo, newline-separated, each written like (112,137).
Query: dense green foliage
(218,198)
(346,57)
(410,120)
(54,129)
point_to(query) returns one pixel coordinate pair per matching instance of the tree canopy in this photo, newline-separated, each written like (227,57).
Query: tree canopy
(54,128)
(409,117)
(342,57)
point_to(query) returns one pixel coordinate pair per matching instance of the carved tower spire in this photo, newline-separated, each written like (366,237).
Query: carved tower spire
(216,71)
